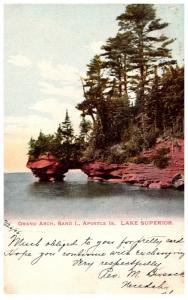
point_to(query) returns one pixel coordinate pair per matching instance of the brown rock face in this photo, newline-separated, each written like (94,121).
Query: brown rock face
(47,168)
(146,175)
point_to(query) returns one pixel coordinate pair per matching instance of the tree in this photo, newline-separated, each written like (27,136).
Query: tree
(164,105)
(172,98)
(111,110)
(41,145)
(65,132)
(32,151)
(136,64)
(119,113)
(117,53)
(85,128)
(149,49)
(94,86)
(153,105)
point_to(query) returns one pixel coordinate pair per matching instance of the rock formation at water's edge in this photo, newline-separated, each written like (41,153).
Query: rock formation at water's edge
(47,168)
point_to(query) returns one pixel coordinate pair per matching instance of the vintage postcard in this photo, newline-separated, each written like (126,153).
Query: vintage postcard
(94,148)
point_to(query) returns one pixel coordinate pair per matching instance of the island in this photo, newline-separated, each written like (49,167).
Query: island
(132,113)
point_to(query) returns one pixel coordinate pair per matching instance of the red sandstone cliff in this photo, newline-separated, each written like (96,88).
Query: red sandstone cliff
(47,168)
(146,175)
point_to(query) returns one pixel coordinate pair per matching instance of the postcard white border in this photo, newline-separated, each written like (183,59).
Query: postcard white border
(85,296)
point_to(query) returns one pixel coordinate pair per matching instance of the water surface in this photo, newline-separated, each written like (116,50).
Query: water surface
(79,198)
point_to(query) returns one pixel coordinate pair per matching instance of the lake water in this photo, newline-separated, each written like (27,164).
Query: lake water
(78,198)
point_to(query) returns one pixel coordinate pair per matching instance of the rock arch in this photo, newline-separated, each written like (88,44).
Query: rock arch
(48,168)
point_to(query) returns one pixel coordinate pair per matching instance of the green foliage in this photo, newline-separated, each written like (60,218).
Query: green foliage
(150,137)
(172,98)
(132,60)
(148,50)
(164,106)
(117,52)
(116,154)
(161,159)
(94,86)
(135,144)
(85,128)
(41,145)
(65,132)
(119,114)
(62,144)
(133,93)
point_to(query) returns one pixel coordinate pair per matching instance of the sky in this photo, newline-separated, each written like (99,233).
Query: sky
(46,50)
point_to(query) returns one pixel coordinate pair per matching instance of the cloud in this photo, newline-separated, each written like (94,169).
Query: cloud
(58,72)
(56,110)
(95,47)
(67,91)
(20,60)
(18,130)
(24,127)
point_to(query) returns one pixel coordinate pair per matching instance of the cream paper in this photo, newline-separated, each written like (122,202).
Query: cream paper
(113,256)
(91,257)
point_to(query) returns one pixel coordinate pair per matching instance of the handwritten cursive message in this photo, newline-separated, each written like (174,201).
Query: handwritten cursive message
(148,263)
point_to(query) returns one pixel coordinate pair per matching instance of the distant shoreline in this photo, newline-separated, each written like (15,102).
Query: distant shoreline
(15,172)
(29,172)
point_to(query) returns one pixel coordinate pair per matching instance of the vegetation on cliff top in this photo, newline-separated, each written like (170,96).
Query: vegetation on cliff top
(63,144)
(133,93)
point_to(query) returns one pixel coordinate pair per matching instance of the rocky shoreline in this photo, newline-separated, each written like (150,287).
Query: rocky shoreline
(147,175)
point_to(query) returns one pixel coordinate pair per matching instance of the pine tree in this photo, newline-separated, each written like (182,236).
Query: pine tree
(85,127)
(117,53)
(149,50)
(94,87)
(119,113)
(153,105)
(41,145)
(65,132)
(32,149)
(172,98)
(135,64)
